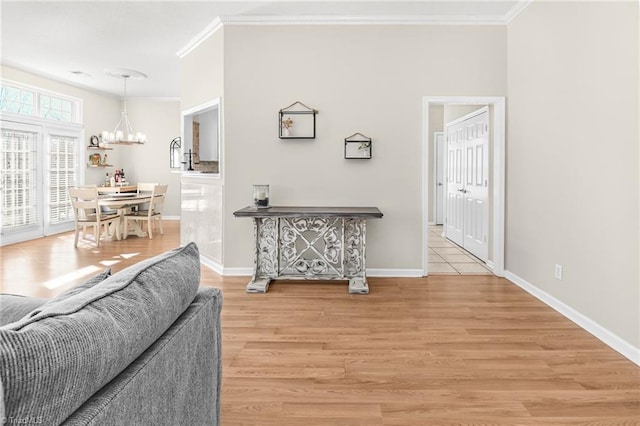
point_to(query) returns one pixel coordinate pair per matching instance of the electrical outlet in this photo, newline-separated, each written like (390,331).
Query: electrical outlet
(558,272)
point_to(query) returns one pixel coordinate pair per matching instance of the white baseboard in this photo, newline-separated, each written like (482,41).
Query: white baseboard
(610,339)
(374,272)
(431,223)
(211,264)
(248,271)
(170,217)
(237,272)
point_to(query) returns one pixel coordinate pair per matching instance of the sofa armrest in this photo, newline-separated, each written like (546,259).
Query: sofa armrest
(175,381)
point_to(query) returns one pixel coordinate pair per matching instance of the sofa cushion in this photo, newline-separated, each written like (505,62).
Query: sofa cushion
(53,361)
(82,287)
(13,307)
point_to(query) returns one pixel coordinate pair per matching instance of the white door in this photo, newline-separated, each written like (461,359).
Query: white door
(470,219)
(441,155)
(455,186)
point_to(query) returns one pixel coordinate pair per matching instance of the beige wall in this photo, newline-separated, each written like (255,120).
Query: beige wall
(160,121)
(202,80)
(368,79)
(202,72)
(572,157)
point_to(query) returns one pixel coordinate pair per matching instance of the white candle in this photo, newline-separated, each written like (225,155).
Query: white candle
(119,135)
(262,196)
(130,137)
(105,136)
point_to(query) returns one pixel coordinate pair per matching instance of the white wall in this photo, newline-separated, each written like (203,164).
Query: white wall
(208,135)
(572,176)
(368,79)
(160,121)
(202,72)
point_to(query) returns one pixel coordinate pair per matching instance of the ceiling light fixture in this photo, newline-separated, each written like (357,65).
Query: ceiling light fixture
(123,132)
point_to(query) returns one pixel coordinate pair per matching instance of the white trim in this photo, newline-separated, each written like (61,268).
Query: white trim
(411,273)
(499,166)
(609,338)
(431,223)
(516,10)
(170,217)
(237,272)
(203,107)
(248,271)
(362,20)
(207,32)
(211,264)
(153,98)
(221,21)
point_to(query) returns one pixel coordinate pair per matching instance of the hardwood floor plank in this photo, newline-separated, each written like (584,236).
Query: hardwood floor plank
(442,350)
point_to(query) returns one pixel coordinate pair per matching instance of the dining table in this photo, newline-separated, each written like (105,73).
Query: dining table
(122,202)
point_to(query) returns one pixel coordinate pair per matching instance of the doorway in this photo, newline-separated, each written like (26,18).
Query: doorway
(495,249)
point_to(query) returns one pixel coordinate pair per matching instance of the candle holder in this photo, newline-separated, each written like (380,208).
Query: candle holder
(261,196)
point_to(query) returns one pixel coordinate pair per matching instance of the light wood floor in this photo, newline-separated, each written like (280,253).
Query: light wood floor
(446,350)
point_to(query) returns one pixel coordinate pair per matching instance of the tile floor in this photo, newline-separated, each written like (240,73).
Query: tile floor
(447,258)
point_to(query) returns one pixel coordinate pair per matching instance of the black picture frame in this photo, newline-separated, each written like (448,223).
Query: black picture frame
(358,147)
(297,121)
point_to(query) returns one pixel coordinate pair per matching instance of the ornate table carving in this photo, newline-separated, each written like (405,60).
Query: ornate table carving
(324,243)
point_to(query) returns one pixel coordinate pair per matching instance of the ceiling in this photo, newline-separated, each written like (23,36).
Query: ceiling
(54,38)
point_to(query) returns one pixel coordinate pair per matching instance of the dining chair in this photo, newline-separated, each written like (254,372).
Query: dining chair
(151,214)
(87,212)
(146,187)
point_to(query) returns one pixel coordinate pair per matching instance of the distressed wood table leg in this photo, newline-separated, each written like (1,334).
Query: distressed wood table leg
(358,286)
(265,255)
(355,231)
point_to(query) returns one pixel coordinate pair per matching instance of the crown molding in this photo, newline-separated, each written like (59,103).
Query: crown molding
(207,32)
(220,21)
(363,20)
(516,10)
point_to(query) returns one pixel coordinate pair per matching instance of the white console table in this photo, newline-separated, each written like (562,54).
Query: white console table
(322,243)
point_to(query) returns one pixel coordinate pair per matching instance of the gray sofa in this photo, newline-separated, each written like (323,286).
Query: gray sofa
(140,347)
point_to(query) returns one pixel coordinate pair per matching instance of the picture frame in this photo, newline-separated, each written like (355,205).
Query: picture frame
(358,147)
(297,121)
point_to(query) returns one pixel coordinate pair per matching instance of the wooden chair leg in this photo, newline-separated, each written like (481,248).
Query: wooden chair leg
(75,242)
(149,229)
(160,223)
(125,231)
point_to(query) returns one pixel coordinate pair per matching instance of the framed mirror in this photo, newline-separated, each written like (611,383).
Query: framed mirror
(201,137)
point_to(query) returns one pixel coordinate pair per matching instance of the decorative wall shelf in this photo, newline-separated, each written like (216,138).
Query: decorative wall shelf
(125,143)
(357,146)
(297,121)
(99,165)
(101,148)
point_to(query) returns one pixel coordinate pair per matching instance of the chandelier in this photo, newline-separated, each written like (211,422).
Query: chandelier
(124,132)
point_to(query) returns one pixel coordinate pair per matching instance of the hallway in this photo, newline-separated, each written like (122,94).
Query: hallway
(447,258)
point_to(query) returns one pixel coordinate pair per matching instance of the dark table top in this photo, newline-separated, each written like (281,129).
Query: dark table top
(292,211)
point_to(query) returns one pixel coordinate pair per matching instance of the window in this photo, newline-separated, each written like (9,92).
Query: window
(26,101)
(40,161)
(19,179)
(63,174)
(174,153)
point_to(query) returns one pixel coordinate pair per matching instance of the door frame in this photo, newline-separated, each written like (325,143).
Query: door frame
(497,185)
(434,184)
